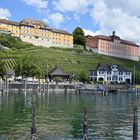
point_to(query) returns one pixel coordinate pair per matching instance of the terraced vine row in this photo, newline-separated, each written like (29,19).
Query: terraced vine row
(47,59)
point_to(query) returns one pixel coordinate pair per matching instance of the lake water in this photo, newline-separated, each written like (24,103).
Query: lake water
(59,116)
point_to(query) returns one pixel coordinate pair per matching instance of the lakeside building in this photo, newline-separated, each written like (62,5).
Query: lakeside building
(59,74)
(110,74)
(113,46)
(37,33)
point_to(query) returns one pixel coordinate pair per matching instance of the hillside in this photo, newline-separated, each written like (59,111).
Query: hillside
(71,60)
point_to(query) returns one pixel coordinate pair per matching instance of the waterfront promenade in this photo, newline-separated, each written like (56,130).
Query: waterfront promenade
(73,86)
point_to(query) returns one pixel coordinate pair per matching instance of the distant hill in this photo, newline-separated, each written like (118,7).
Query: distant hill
(75,61)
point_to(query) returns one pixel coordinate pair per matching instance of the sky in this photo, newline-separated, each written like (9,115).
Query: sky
(94,16)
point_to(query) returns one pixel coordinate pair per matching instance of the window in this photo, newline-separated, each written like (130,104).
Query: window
(91,73)
(120,73)
(108,72)
(109,78)
(120,79)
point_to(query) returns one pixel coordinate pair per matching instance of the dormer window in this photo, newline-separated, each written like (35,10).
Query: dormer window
(114,67)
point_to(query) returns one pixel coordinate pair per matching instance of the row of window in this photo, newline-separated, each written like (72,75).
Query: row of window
(60,39)
(114,78)
(52,41)
(60,43)
(29,31)
(116,73)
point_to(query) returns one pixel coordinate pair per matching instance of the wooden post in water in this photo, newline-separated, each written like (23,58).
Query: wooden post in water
(25,86)
(85,126)
(7,86)
(39,86)
(47,85)
(44,86)
(135,124)
(0,85)
(65,87)
(33,128)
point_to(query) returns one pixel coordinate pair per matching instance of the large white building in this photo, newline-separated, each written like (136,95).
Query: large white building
(111,73)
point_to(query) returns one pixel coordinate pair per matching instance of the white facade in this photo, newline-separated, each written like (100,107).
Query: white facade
(112,75)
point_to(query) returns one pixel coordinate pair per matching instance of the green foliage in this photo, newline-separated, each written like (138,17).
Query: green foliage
(12,42)
(2,69)
(79,36)
(27,67)
(83,76)
(70,60)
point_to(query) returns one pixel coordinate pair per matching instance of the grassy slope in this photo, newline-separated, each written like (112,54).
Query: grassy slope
(71,60)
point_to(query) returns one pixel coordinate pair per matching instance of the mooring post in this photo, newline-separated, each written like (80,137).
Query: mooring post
(0,85)
(44,86)
(33,128)
(135,124)
(85,126)
(39,86)
(47,85)
(25,86)
(7,86)
(65,87)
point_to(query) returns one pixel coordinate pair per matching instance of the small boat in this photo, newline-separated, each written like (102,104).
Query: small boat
(133,90)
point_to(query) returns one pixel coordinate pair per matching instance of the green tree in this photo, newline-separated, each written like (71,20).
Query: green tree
(27,67)
(2,69)
(83,77)
(79,36)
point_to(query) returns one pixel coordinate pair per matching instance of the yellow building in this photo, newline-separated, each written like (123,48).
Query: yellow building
(37,33)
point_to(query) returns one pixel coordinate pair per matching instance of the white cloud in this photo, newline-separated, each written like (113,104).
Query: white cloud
(56,19)
(76,17)
(78,6)
(4,13)
(90,32)
(40,4)
(131,6)
(111,17)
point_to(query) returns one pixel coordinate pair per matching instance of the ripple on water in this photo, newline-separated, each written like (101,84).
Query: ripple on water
(60,116)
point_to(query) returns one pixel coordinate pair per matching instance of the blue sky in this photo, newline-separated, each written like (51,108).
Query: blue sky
(20,9)
(94,16)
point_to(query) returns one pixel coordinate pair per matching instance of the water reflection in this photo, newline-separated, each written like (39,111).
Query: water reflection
(60,115)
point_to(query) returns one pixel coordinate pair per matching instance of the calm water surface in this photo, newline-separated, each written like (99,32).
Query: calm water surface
(59,116)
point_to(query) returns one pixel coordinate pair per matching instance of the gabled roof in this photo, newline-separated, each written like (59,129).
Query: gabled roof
(32,22)
(58,72)
(108,67)
(105,67)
